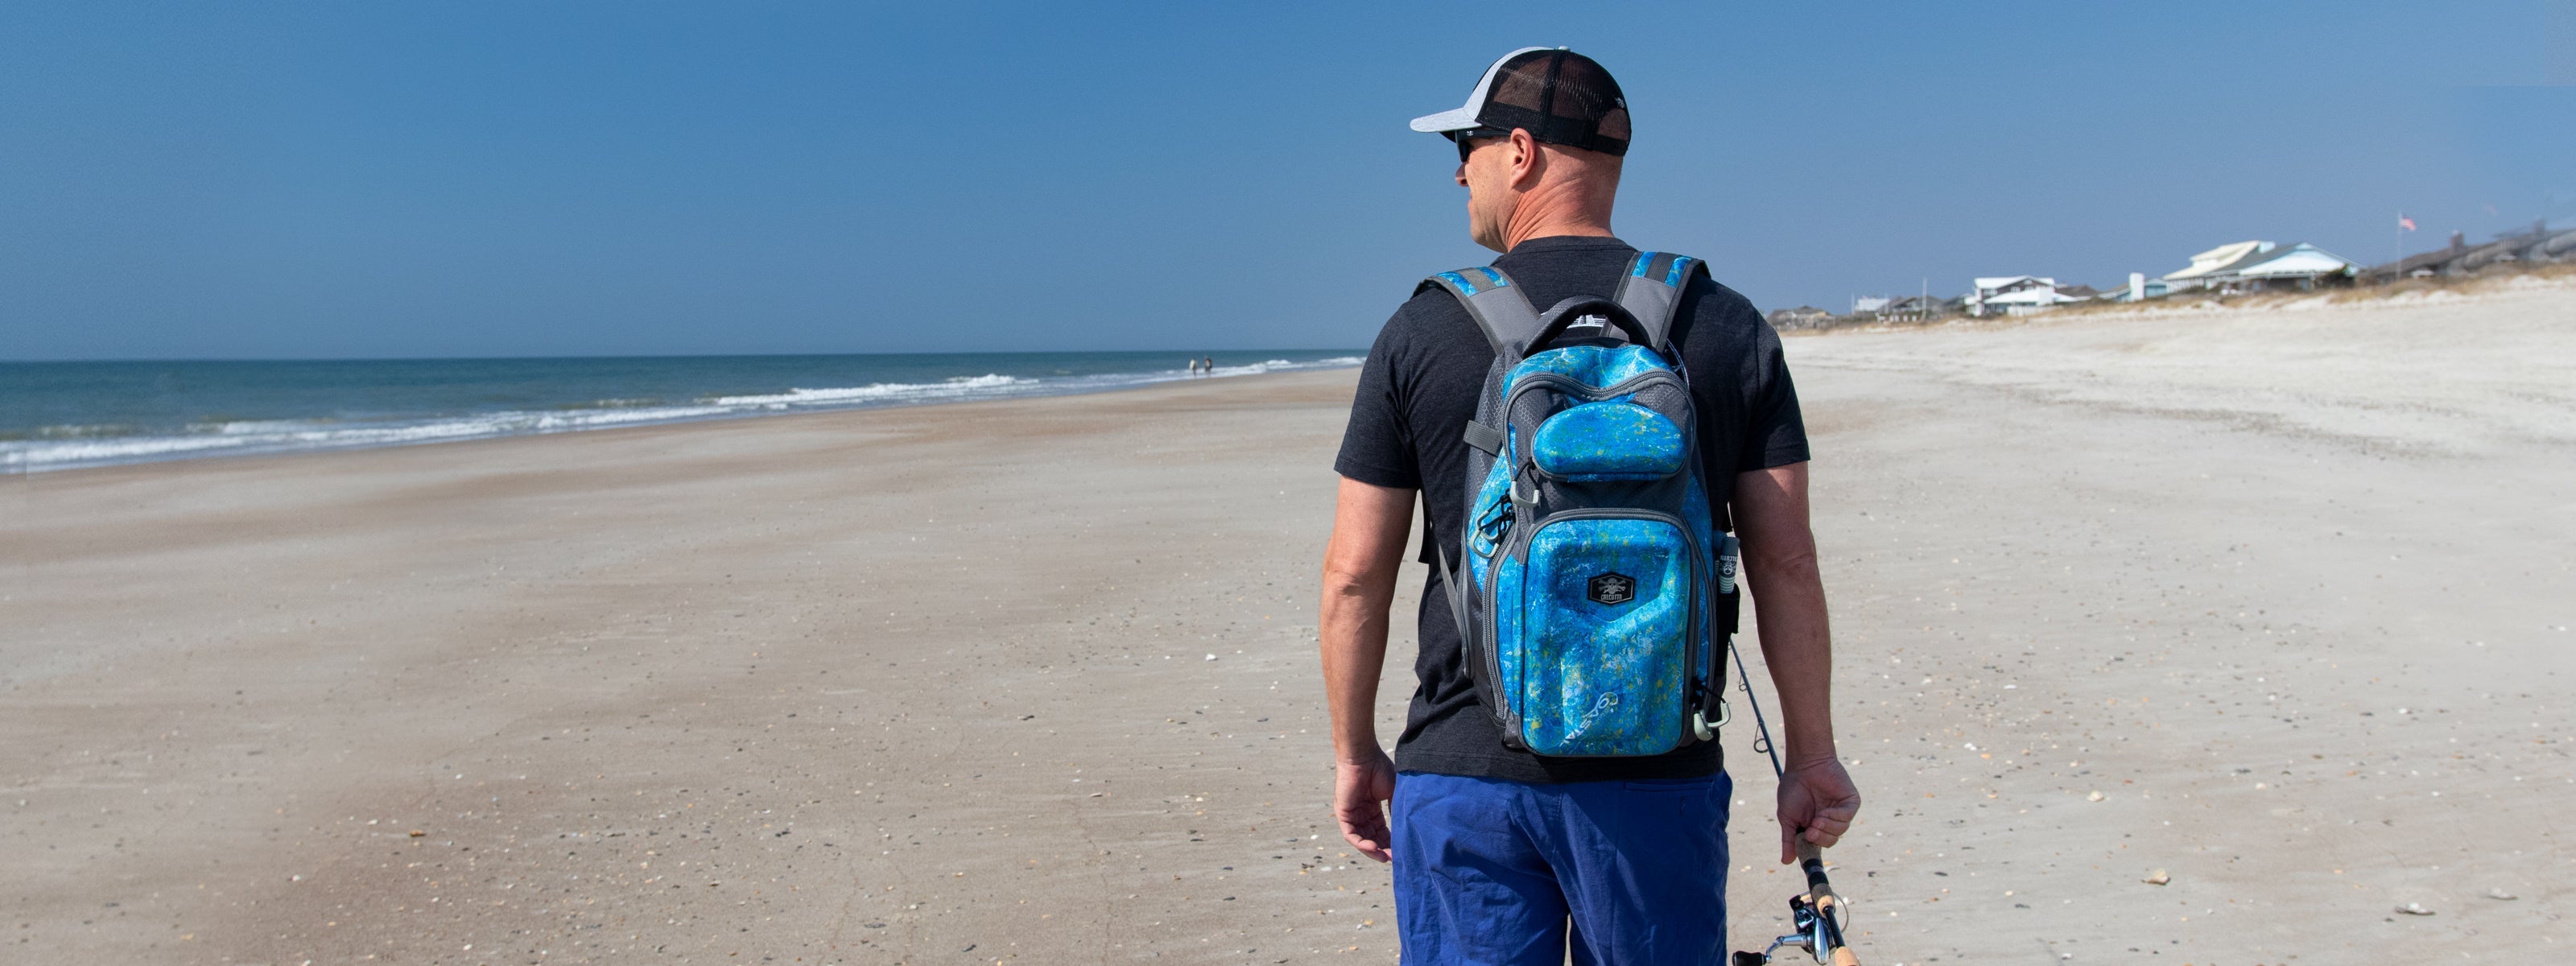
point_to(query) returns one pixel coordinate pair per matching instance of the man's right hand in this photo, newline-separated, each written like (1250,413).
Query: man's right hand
(1360,792)
(1817,803)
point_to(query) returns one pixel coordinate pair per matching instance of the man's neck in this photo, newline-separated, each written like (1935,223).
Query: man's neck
(1558,230)
(1544,219)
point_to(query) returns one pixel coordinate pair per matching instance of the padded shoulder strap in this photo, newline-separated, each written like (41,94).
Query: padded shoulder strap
(1652,289)
(1500,310)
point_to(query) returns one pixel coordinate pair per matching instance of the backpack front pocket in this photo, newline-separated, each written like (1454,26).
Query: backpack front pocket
(1606,441)
(1604,608)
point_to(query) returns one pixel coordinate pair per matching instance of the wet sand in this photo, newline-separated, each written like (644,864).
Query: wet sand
(1033,680)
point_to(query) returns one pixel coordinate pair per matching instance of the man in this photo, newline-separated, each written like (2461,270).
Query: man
(1502,856)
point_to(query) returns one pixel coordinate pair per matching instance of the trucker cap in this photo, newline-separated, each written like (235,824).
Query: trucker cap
(1559,96)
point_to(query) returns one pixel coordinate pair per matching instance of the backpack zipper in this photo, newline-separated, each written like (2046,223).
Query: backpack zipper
(1589,393)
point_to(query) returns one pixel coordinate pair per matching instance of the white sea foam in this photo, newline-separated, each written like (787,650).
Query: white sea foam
(50,454)
(73,446)
(1283,365)
(961,386)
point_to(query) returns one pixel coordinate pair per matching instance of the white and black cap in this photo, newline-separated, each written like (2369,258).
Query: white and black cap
(1557,95)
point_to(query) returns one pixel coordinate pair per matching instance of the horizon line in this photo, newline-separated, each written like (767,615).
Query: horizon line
(1361,350)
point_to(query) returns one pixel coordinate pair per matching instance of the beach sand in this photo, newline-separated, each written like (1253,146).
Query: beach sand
(1034,680)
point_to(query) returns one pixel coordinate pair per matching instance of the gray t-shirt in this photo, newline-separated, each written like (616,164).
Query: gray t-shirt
(1417,392)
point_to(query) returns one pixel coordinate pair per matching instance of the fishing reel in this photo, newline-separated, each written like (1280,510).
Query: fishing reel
(1819,921)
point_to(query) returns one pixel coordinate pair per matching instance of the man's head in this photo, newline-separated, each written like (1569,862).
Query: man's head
(1539,147)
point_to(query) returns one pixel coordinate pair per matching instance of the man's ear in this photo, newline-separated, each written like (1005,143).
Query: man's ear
(1528,162)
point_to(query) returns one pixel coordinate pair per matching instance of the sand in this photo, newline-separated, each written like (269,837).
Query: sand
(1033,680)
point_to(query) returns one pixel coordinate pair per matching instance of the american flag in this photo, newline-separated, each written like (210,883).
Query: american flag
(2406,223)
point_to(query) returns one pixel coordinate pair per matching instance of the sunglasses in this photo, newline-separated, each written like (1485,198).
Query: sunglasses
(1464,138)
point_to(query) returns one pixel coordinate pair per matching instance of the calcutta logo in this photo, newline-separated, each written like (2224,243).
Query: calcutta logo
(1611,589)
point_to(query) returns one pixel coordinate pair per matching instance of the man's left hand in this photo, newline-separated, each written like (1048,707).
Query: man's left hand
(1817,801)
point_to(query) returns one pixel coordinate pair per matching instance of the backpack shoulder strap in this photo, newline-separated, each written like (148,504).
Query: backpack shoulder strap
(1652,289)
(1500,310)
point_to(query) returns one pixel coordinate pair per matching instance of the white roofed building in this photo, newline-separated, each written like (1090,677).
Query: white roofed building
(2212,263)
(2261,266)
(2019,295)
(2301,266)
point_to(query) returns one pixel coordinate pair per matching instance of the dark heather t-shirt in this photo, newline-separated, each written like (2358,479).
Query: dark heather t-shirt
(1416,394)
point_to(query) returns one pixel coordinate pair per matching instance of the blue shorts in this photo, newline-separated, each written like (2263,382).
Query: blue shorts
(1489,871)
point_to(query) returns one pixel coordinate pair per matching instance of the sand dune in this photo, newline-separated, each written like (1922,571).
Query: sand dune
(1033,680)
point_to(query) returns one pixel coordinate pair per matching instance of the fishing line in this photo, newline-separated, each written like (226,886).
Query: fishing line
(1818,915)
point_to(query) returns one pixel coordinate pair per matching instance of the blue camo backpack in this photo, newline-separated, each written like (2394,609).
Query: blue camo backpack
(1593,589)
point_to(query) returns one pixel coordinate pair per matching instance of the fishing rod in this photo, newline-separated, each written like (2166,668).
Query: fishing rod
(1819,915)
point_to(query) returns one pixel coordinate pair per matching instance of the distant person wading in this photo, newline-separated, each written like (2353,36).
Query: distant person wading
(1556,788)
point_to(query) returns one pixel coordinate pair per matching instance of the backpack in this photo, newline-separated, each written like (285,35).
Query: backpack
(1592,589)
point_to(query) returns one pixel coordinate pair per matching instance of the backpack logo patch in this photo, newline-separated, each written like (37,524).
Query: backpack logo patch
(1611,588)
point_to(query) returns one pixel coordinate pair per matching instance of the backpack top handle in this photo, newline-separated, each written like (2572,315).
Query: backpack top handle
(1556,320)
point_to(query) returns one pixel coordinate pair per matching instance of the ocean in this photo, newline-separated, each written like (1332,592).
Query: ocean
(62,415)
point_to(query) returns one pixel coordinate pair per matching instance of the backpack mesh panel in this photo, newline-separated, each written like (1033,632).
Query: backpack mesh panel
(1531,409)
(1670,400)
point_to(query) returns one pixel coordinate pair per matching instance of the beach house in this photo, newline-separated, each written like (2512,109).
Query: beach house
(2298,266)
(1802,317)
(2213,264)
(2261,266)
(1915,308)
(2140,288)
(2022,295)
(2537,244)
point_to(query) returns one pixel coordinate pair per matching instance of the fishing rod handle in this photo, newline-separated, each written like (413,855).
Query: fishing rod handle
(1812,859)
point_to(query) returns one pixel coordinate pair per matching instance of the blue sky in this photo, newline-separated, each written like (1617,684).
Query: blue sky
(361,180)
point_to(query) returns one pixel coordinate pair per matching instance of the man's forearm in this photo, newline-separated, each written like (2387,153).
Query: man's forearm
(1370,524)
(1789,605)
(1797,645)
(1353,633)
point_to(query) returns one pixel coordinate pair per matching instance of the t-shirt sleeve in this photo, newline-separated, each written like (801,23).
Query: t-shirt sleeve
(1775,435)
(1376,448)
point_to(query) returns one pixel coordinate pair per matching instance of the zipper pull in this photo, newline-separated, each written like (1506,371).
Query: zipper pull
(1532,498)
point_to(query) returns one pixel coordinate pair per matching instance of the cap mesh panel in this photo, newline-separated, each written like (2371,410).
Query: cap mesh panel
(1560,97)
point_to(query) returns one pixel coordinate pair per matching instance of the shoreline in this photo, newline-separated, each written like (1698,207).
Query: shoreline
(505,424)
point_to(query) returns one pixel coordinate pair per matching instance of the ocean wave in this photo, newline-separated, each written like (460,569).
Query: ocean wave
(958,386)
(280,435)
(110,450)
(1283,365)
(70,446)
(260,427)
(70,431)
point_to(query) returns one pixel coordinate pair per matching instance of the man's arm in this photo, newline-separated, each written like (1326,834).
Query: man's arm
(1370,524)
(1816,795)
